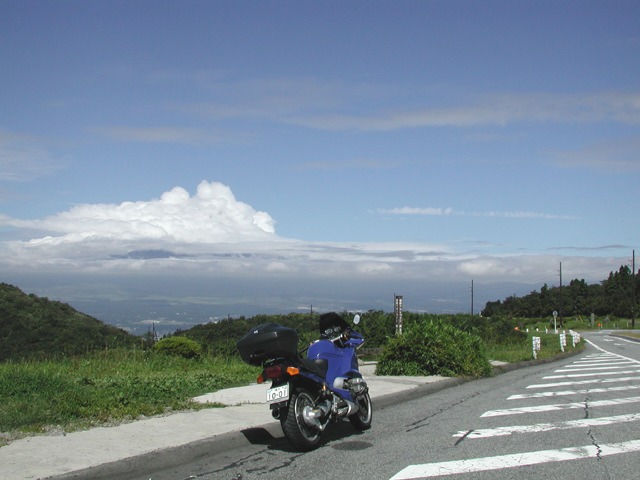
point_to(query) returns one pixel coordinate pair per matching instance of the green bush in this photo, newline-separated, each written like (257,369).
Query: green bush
(503,331)
(434,349)
(179,347)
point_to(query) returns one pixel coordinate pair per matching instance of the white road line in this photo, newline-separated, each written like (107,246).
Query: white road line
(579,375)
(598,364)
(559,406)
(546,427)
(594,360)
(517,460)
(585,391)
(591,369)
(600,349)
(625,340)
(585,382)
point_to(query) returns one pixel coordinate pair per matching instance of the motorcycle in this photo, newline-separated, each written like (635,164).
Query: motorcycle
(308,392)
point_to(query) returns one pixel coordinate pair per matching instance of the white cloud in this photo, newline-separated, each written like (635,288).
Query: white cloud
(448,211)
(159,134)
(620,155)
(357,163)
(228,251)
(430,211)
(492,109)
(312,103)
(23,158)
(213,214)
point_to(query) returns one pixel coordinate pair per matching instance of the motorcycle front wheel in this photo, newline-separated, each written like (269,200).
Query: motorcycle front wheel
(362,418)
(298,433)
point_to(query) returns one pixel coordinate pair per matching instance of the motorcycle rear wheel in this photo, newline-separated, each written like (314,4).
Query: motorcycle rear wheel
(362,418)
(298,433)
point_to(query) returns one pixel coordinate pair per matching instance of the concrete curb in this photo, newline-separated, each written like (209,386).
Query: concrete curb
(139,465)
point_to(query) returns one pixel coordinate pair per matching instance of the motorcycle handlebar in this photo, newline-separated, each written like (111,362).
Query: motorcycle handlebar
(348,335)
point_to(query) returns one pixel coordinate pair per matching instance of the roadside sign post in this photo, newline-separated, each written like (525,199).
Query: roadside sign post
(555,318)
(398,313)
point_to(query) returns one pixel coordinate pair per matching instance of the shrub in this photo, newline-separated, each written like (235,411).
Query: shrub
(502,331)
(434,349)
(179,347)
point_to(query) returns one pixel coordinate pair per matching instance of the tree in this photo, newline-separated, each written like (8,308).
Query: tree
(614,296)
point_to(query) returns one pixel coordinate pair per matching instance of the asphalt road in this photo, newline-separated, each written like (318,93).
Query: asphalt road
(572,419)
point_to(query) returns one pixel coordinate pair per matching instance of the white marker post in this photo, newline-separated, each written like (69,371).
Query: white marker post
(563,341)
(575,337)
(536,347)
(555,318)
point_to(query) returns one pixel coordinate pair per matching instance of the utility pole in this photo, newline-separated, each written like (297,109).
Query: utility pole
(560,298)
(560,274)
(633,286)
(471,299)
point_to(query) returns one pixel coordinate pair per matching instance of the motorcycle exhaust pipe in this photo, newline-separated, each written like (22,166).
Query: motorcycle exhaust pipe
(313,416)
(350,409)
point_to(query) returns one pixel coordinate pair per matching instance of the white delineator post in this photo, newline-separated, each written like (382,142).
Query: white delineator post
(536,346)
(563,341)
(575,338)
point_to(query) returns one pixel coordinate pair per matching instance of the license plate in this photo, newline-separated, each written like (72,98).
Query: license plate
(278,394)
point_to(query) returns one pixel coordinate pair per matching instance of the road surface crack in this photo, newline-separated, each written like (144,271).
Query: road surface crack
(586,408)
(423,422)
(595,444)
(463,437)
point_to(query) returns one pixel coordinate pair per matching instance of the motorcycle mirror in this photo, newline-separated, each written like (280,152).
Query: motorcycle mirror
(356,319)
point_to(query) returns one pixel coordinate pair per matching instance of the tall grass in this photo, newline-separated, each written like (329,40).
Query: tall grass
(520,351)
(108,386)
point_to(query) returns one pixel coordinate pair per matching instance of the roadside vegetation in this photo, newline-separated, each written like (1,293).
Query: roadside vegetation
(61,370)
(109,386)
(106,388)
(429,348)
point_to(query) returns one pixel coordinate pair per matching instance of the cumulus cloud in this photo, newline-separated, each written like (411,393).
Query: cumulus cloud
(213,214)
(220,250)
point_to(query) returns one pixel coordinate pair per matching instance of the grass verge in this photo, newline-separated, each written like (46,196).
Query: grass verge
(107,387)
(518,352)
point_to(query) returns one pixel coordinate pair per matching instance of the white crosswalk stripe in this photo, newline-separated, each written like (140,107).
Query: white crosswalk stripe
(560,406)
(546,427)
(585,391)
(594,374)
(597,374)
(593,369)
(585,382)
(517,460)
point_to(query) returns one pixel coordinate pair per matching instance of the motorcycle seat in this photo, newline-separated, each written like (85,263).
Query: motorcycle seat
(319,366)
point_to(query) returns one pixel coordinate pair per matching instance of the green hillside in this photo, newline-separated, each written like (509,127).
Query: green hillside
(31,326)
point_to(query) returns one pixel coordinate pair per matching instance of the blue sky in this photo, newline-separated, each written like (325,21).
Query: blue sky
(327,153)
